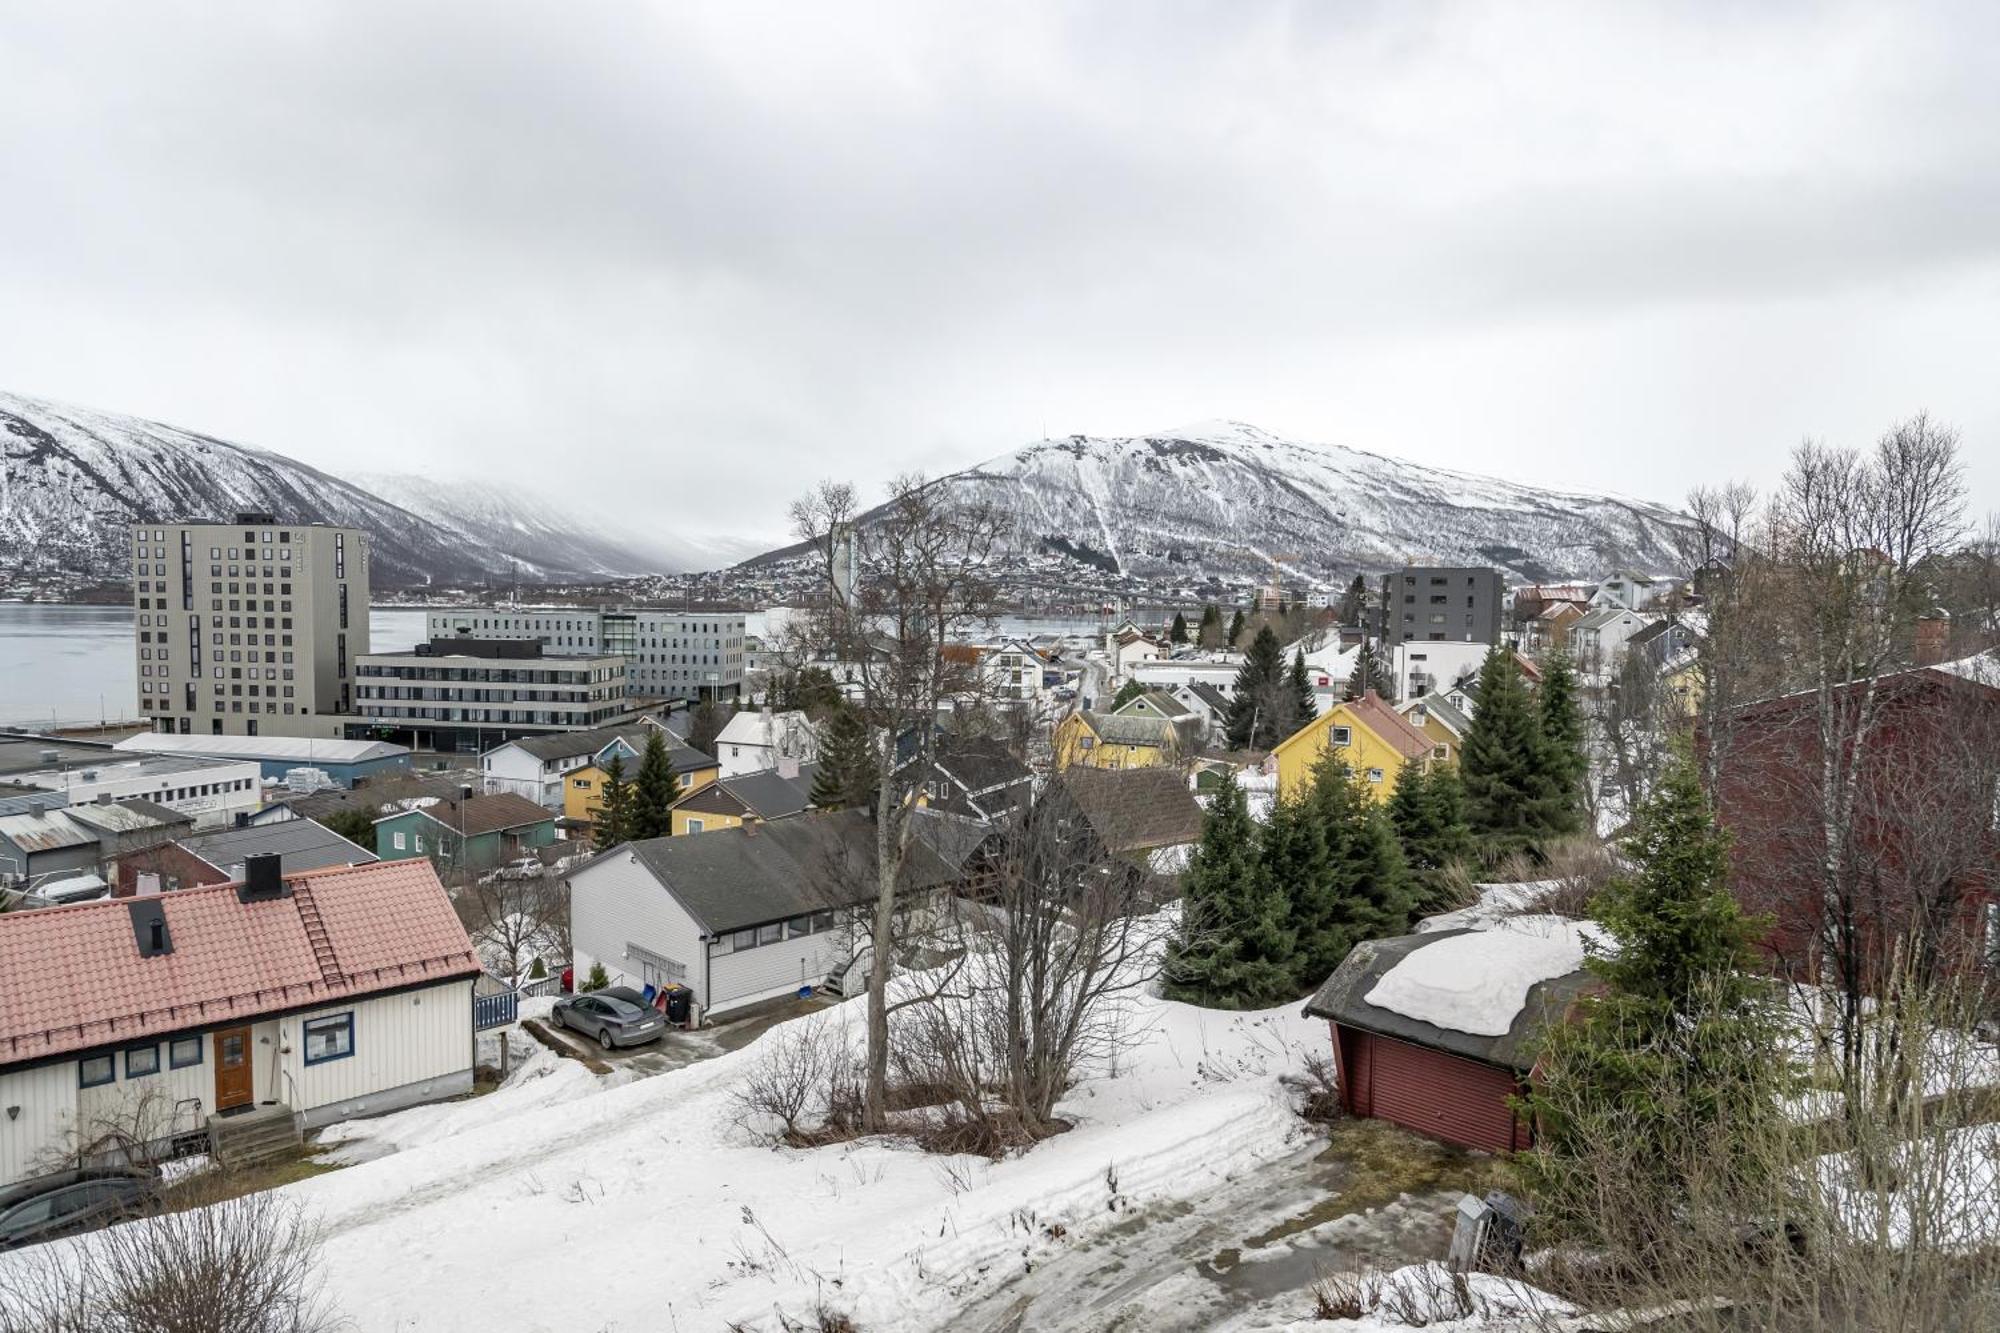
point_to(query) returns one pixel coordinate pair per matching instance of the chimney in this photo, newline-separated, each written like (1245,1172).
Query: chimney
(104,798)
(788,766)
(263,880)
(1933,633)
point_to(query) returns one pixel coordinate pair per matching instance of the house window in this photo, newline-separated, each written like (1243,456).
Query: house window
(94,1071)
(771,934)
(142,1060)
(1343,736)
(695,826)
(400,845)
(328,1038)
(797,926)
(1440,752)
(743,939)
(183,1052)
(419,848)
(1374,775)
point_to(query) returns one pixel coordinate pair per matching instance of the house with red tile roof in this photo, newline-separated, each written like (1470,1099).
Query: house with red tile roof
(320,996)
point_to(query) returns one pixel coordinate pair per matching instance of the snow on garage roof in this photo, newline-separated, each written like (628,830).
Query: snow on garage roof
(1479,982)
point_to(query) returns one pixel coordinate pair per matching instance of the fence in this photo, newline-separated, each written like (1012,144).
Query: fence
(493,1011)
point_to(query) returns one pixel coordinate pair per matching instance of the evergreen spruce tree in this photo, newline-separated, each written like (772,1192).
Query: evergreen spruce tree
(1262,704)
(845,774)
(1511,802)
(1179,633)
(1127,692)
(1682,1039)
(1209,635)
(1347,881)
(1236,627)
(706,725)
(1428,814)
(653,791)
(613,806)
(1305,705)
(1354,602)
(1370,673)
(1234,950)
(1563,754)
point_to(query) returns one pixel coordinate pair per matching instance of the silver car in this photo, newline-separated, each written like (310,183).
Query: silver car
(612,1018)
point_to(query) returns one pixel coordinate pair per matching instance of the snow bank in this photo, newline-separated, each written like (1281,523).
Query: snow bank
(1477,983)
(1950,1183)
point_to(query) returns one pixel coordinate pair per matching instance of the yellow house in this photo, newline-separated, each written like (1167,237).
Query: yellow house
(1368,734)
(1682,683)
(1116,740)
(583,788)
(746,798)
(1438,718)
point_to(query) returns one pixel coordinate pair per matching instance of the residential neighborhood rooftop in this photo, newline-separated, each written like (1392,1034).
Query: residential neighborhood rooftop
(300,845)
(378,927)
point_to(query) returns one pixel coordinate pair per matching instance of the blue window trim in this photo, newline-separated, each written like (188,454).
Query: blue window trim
(345,1019)
(83,1080)
(199,1043)
(130,1051)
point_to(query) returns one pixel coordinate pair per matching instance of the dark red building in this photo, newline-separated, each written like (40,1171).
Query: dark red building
(1908,826)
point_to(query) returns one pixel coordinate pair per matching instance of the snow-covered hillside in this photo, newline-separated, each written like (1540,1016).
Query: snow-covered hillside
(72,479)
(543,533)
(1224,498)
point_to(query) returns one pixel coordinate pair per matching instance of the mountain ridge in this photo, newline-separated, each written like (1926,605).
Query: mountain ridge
(1226,499)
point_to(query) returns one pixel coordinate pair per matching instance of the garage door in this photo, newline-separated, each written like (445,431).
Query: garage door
(1460,1101)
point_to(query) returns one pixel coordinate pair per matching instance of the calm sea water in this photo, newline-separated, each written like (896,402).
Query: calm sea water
(67,665)
(71,665)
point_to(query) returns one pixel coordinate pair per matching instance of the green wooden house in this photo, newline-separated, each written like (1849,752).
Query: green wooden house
(474,834)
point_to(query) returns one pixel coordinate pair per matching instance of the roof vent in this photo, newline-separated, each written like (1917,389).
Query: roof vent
(149,926)
(263,880)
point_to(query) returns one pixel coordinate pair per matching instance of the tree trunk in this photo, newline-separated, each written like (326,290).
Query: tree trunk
(875,1107)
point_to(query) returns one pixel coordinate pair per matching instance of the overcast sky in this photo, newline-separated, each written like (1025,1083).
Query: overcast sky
(681,260)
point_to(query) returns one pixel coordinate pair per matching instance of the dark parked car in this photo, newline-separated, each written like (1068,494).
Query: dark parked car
(70,1201)
(616,1017)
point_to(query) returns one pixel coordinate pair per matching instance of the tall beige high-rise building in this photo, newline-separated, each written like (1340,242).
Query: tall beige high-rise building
(250,627)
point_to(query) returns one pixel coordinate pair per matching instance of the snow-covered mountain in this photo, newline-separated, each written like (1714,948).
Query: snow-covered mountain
(72,479)
(543,535)
(1225,498)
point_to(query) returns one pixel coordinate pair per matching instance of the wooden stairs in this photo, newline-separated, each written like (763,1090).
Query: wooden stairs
(249,1137)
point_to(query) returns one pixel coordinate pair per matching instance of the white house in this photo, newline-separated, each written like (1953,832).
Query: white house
(1433,667)
(534,765)
(1597,641)
(1219,671)
(316,996)
(1013,671)
(1128,646)
(1630,590)
(736,915)
(753,741)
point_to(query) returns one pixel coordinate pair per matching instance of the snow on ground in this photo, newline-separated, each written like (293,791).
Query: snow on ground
(1421,1296)
(1496,902)
(1477,983)
(1949,1181)
(645,1206)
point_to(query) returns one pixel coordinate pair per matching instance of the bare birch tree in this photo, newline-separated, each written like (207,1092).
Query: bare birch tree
(923,577)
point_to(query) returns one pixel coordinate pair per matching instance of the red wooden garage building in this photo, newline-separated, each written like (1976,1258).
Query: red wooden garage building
(1424,1071)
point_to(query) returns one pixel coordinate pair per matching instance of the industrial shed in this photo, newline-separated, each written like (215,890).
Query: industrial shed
(1436,1032)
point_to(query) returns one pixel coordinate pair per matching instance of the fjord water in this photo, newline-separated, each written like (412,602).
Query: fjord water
(74,665)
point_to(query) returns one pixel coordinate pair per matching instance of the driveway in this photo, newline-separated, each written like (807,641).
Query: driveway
(1247,1254)
(678,1049)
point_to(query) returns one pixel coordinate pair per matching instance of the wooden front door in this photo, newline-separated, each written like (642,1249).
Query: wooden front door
(232,1069)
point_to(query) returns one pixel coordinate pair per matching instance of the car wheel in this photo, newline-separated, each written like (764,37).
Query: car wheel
(604,1038)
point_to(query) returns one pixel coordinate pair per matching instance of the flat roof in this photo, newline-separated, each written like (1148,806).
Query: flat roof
(109,766)
(528,663)
(298,749)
